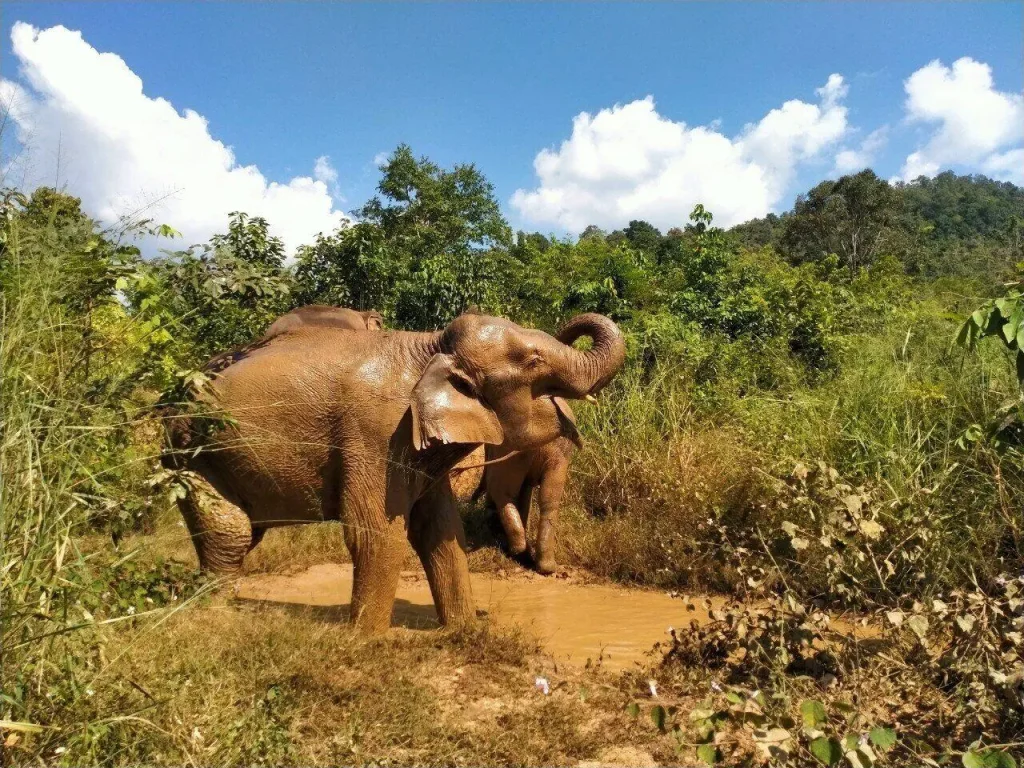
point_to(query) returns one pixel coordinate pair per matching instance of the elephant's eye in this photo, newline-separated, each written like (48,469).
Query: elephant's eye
(534,360)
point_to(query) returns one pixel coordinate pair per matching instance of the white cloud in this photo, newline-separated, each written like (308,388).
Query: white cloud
(328,174)
(854,160)
(630,162)
(120,150)
(975,125)
(324,171)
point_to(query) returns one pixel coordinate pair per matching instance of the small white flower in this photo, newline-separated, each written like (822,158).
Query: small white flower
(131,610)
(653,685)
(90,692)
(541,684)
(716,687)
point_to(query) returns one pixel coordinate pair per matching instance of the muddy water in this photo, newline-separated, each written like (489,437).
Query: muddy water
(573,622)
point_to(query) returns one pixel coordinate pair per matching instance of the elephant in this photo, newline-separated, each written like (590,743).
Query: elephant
(321,314)
(363,427)
(511,477)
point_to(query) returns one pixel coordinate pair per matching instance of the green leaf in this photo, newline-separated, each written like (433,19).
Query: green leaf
(813,712)
(990,758)
(965,336)
(826,750)
(733,698)
(658,716)
(883,738)
(633,709)
(708,753)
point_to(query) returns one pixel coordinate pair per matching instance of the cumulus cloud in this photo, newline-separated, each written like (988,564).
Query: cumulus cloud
(854,160)
(628,161)
(83,115)
(975,125)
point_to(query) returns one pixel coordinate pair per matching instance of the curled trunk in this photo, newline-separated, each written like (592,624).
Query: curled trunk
(588,372)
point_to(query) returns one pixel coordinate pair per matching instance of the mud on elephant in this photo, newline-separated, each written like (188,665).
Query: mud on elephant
(363,427)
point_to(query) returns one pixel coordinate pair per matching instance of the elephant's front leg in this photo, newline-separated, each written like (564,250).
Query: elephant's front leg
(436,533)
(377,545)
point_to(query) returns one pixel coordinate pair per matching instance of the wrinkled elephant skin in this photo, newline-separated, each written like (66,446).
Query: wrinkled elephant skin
(363,427)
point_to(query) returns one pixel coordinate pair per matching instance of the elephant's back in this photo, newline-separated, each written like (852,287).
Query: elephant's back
(298,405)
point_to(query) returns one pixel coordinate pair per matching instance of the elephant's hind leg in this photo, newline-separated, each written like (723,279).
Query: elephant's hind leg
(221,532)
(436,533)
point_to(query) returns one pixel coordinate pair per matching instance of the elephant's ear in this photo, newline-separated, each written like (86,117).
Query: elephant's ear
(445,408)
(568,421)
(373,320)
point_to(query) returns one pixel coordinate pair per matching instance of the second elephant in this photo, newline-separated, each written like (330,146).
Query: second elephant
(510,482)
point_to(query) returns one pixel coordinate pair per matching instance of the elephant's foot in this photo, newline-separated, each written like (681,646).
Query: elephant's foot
(546,566)
(512,522)
(543,562)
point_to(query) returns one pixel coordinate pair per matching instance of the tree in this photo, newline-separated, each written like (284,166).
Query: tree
(219,295)
(354,267)
(643,236)
(851,217)
(249,240)
(430,209)
(445,239)
(592,231)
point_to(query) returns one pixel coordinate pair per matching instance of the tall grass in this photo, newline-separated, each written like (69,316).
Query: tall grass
(46,448)
(675,472)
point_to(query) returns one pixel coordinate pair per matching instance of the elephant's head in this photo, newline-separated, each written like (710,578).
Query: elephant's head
(483,384)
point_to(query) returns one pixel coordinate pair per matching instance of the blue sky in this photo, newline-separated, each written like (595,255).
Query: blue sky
(283,84)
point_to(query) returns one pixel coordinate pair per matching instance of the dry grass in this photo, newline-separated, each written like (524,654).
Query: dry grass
(642,512)
(220,684)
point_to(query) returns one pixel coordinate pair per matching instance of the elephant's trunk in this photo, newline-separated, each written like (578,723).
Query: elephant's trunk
(586,373)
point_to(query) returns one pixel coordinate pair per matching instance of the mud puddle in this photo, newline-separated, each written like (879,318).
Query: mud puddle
(573,622)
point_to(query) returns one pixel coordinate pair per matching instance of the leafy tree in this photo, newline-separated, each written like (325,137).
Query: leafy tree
(249,240)
(220,295)
(592,231)
(643,236)
(852,217)
(967,208)
(445,239)
(354,267)
(758,233)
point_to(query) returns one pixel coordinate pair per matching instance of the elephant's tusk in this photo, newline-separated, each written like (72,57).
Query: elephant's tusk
(591,399)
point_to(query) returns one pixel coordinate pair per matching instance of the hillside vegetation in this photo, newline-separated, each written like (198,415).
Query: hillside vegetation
(796,427)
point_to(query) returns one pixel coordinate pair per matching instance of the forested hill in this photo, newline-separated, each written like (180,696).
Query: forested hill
(948,225)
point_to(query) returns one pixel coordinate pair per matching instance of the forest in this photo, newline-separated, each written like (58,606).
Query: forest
(818,421)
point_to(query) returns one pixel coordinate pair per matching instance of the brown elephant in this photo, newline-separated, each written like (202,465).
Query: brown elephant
(510,482)
(363,427)
(321,314)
